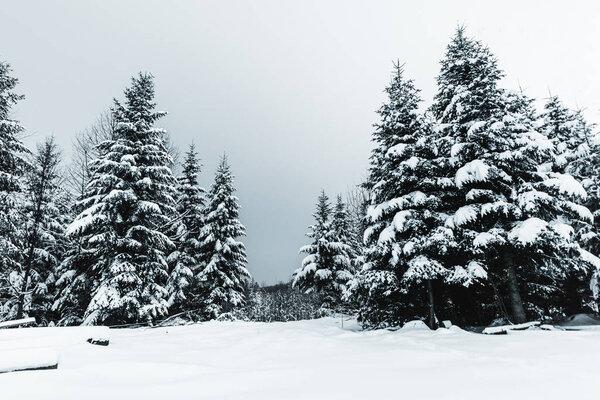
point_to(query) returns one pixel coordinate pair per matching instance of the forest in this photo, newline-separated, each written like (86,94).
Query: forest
(479,205)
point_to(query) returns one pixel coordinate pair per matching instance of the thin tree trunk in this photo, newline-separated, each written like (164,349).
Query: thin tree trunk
(432,320)
(513,291)
(21,300)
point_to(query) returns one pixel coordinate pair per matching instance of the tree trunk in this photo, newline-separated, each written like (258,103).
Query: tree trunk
(432,320)
(513,291)
(21,301)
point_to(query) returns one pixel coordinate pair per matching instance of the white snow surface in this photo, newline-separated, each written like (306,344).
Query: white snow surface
(315,359)
(22,359)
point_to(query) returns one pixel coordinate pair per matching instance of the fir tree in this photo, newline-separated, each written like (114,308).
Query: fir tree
(567,131)
(222,269)
(13,163)
(408,246)
(327,268)
(576,154)
(128,206)
(13,166)
(186,259)
(44,225)
(509,211)
(342,231)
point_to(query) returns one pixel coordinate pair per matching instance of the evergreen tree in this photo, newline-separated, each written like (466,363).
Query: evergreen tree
(13,166)
(44,223)
(327,268)
(342,231)
(222,269)
(575,153)
(408,247)
(128,206)
(186,258)
(509,217)
(567,131)
(13,163)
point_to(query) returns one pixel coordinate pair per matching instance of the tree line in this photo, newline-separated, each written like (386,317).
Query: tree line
(119,238)
(479,207)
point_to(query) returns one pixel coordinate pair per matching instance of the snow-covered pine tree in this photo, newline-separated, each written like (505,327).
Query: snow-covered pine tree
(342,230)
(576,154)
(120,271)
(408,246)
(586,168)
(222,269)
(13,165)
(44,224)
(186,258)
(327,268)
(508,218)
(566,130)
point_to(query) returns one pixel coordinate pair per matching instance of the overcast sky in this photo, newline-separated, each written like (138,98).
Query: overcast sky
(288,89)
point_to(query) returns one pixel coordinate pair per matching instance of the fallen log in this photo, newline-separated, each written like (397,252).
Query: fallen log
(99,341)
(17,322)
(503,330)
(28,360)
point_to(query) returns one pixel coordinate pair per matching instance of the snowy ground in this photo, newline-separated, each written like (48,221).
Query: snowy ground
(305,360)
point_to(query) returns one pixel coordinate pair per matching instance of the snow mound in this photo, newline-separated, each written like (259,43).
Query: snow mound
(580,320)
(416,325)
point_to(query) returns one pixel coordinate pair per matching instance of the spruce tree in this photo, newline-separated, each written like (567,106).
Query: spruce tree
(13,162)
(409,250)
(44,223)
(575,153)
(185,260)
(120,270)
(342,230)
(13,166)
(567,131)
(222,269)
(327,268)
(509,217)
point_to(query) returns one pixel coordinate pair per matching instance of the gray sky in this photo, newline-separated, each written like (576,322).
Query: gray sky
(287,88)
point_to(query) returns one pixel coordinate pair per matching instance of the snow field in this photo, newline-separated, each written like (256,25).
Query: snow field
(314,359)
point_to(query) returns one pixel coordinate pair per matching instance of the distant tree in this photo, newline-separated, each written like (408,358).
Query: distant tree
(85,150)
(222,273)
(281,302)
(357,203)
(327,268)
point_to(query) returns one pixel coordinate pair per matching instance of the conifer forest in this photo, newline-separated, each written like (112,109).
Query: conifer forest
(126,263)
